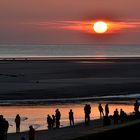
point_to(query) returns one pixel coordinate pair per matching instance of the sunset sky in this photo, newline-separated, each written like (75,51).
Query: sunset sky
(69,22)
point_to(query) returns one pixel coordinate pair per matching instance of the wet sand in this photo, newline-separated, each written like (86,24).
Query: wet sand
(95,131)
(53,79)
(30,116)
(68,79)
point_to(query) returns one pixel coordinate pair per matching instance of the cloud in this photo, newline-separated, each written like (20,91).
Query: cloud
(114,27)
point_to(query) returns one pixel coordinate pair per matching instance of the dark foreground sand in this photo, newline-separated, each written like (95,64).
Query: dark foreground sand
(124,132)
(96,131)
(68,78)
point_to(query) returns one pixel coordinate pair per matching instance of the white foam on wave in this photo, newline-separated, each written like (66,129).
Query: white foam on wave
(35,101)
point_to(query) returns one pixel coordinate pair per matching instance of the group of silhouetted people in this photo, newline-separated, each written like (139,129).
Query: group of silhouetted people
(122,116)
(101,110)
(4,125)
(54,120)
(119,116)
(51,121)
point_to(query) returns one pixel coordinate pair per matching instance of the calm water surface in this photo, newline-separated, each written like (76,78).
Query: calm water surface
(69,51)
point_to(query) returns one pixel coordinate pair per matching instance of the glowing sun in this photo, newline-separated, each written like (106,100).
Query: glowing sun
(100,27)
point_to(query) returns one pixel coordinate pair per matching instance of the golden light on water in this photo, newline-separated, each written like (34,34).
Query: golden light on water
(38,120)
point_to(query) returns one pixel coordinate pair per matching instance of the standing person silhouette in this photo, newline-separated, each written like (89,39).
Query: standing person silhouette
(106,110)
(136,107)
(71,117)
(100,108)
(49,121)
(58,116)
(87,110)
(123,116)
(53,121)
(116,116)
(31,133)
(86,113)
(17,121)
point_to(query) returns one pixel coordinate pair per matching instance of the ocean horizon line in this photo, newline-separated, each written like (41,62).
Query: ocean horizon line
(71,58)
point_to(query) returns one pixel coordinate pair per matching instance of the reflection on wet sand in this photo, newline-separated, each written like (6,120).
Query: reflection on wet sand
(36,115)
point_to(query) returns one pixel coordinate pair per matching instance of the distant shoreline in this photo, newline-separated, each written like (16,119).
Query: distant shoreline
(125,58)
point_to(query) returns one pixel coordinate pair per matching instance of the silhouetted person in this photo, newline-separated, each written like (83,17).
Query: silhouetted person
(116,116)
(136,107)
(100,108)
(53,121)
(87,110)
(71,118)
(17,121)
(123,116)
(106,110)
(86,114)
(31,133)
(6,126)
(1,128)
(49,122)
(57,116)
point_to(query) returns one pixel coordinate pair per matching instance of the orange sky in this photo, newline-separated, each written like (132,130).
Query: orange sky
(68,22)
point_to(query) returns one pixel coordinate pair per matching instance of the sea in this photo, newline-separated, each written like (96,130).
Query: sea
(25,51)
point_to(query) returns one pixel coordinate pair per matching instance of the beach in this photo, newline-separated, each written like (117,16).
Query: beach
(69,70)
(96,131)
(30,116)
(34,85)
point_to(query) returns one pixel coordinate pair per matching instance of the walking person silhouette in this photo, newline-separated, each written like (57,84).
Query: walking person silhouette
(100,108)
